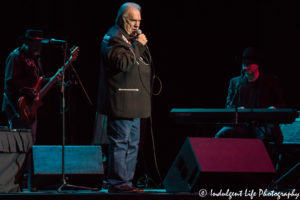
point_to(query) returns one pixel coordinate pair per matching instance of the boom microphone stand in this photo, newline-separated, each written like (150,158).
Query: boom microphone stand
(236,97)
(64,181)
(84,90)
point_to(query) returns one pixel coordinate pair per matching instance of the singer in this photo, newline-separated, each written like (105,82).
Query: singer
(253,89)
(124,94)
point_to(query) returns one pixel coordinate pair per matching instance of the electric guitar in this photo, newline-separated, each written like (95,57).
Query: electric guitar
(28,108)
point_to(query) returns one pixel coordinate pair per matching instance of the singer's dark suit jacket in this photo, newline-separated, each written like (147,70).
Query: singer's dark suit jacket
(125,76)
(262,93)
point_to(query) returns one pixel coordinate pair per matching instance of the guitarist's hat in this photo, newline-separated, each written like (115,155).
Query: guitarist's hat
(250,55)
(33,34)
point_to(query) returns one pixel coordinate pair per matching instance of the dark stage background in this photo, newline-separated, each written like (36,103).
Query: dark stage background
(193,43)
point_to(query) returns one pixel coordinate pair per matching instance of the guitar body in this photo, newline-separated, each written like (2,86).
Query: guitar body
(28,108)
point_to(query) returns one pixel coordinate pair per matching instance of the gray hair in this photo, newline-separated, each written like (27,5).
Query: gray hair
(123,9)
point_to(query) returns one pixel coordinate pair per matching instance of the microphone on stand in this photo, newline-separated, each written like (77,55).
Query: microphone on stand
(53,41)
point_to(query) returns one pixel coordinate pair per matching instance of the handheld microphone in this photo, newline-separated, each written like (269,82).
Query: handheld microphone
(243,72)
(139,31)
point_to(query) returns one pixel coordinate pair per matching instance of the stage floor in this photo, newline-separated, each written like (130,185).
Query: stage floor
(148,194)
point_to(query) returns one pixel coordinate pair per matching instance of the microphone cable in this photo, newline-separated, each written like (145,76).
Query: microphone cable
(150,118)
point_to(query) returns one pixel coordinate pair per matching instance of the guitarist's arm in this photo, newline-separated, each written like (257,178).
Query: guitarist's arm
(14,80)
(13,74)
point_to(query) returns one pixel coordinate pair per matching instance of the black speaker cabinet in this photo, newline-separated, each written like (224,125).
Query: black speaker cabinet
(223,163)
(14,145)
(82,166)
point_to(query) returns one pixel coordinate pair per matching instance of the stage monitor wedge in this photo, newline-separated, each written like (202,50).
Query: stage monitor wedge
(223,163)
(82,165)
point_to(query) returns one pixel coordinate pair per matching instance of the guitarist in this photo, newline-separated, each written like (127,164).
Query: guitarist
(23,68)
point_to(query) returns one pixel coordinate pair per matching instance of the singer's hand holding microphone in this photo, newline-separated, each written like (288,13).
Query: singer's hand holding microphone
(141,37)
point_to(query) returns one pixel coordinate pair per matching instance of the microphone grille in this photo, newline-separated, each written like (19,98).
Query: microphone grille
(139,31)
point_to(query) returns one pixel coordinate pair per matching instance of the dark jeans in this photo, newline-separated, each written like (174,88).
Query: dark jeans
(268,132)
(124,138)
(241,132)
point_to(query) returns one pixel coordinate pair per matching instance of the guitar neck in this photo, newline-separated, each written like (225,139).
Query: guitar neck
(54,78)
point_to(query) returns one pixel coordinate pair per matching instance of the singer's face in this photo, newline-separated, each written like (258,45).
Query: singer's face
(132,21)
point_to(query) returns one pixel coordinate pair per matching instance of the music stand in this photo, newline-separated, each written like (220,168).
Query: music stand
(65,184)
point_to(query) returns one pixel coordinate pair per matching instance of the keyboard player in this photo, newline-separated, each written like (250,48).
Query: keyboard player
(253,89)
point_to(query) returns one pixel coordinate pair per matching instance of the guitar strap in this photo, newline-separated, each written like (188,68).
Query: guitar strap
(16,114)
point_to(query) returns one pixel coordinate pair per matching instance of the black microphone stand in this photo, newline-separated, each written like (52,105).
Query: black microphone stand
(236,116)
(64,181)
(236,98)
(236,113)
(82,87)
